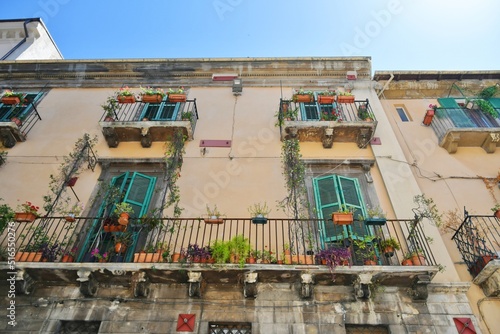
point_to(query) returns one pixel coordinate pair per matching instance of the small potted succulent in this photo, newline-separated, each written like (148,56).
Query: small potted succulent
(259,213)
(213,216)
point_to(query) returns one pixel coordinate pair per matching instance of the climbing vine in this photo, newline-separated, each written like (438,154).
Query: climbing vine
(173,161)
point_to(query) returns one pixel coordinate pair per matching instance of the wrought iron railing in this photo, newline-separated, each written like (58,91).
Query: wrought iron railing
(131,112)
(58,237)
(460,118)
(359,111)
(478,240)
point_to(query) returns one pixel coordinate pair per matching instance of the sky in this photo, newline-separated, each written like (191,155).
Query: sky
(396,34)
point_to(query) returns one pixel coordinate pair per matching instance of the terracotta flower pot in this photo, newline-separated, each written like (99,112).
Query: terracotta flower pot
(497,214)
(177,97)
(126,99)
(25,217)
(407,262)
(303,98)
(176,257)
(326,99)
(11,100)
(342,218)
(123,220)
(28,256)
(120,247)
(345,99)
(418,260)
(157,98)
(67,258)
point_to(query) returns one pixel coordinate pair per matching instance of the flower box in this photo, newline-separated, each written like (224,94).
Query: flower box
(126,99)
(28,256)
(326,99)
(25,217)
(342,218)
(147,257)
(372,221)
(11,100)
(303,98)
(345,99)
(177,97)
(213,220)
(259,220)
(156,98)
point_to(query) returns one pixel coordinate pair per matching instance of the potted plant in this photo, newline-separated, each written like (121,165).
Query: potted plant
(418,258)
(69,256)
(333,257)
(496,210)
(343,216)
(124,95)
(96,253)
(11,97)
(213,216)
(123,211)
(122,241)
(186,115)
(239,247)
(407,260)
(365,248)
(375,216)
(176,95)
(3,157)
(50,251)
(152,95)
(265,256)
(110,108)
(26,212)
(302,96)
(363,113)
(221,251)
(259,212)
(389,246)
(326,97)
(345,97)
(71,211)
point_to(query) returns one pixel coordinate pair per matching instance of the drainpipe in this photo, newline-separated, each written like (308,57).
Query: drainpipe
(386,85)
(21,42)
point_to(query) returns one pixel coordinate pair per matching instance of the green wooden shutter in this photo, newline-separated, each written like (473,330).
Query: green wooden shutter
(351,197)
(20,110)
(160,111)
(455,113)
(327,201)
(138,190)
(309,111)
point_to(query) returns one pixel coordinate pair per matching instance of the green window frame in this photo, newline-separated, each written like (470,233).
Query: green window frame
(163,111)
(137,190)
(309,111)
(22,110)
(330,193)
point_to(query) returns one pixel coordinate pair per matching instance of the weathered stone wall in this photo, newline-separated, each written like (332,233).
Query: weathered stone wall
(276,309)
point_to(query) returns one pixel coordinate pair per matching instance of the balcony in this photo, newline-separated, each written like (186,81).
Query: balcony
(478,240)
(149,122)
(355,122)
(16,121)
(176,235)
(461,127)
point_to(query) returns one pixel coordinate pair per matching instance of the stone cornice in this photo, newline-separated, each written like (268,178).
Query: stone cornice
(195,71)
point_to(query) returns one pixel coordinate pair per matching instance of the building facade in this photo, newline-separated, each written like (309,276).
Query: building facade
(227,135)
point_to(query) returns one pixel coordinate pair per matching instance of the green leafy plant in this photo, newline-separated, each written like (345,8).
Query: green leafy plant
(124,91)
(11,93)
(327,93)
(427,209)
(486,108)
(186,115)
(214,212)
(111,107)
(152,91)
(221,251)
(390,242)
(3,157)
(239,246)
(28,207)
(365,247)
(123,207)
(496,207)
(179,90)
(6,215)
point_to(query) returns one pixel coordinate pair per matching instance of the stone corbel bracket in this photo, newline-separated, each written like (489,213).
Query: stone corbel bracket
(419,287)
(194,280)
(24,283)
(292,132)
(110,136)
(368,175)
(141,284)
(364,136)
(146,139)
(88,284)
(327,139)
(250,285)
(362,286)
(306,285)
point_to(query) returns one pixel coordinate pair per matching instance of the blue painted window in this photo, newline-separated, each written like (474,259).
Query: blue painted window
(163,111)
(402,114)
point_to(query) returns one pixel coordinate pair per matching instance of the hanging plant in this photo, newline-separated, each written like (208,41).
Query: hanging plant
(174,159)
